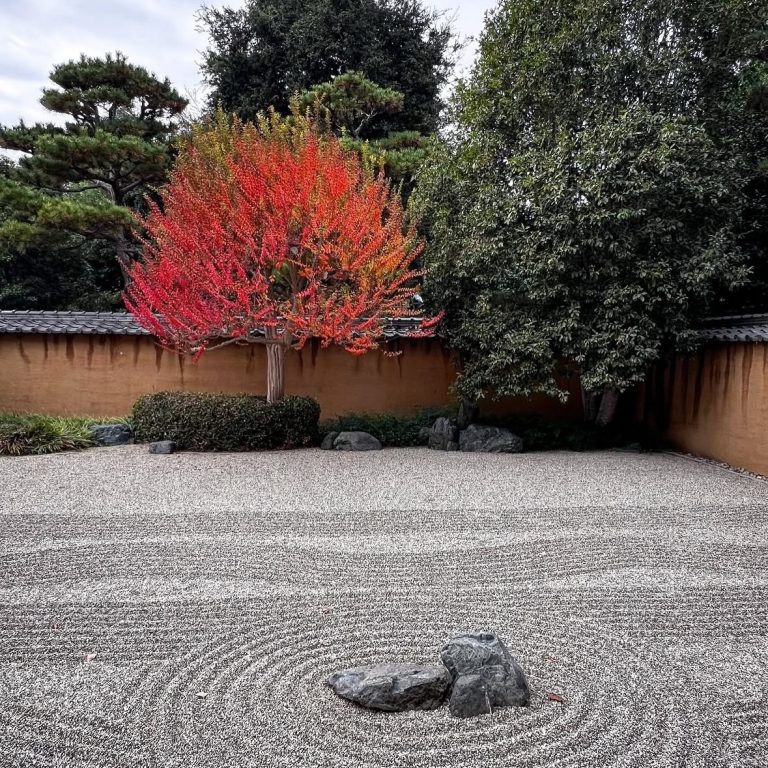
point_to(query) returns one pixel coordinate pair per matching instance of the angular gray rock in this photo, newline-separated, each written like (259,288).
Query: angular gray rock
(466,654)
(477,438)
(470,697)
(356,441)
(488,689)
(112,434)
(443,435)
(424,435)
(327,443)
(485,675)
(162,446)
(393,687)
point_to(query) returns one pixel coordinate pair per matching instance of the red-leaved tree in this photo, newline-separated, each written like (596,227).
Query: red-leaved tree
(273,234)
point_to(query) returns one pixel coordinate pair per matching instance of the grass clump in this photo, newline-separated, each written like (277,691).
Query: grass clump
(36,434)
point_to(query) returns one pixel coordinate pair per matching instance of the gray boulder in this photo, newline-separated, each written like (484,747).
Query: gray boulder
(424,435)
(162,446)
(393,687)
(479,439)
(470,697)
(443,435)
(356,441)
(466,654)
(485,675)
(112,434)
(488,689)
(327,443)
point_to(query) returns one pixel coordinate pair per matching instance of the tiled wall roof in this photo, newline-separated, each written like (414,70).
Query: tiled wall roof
(23,321)
(745,328)
(123,324)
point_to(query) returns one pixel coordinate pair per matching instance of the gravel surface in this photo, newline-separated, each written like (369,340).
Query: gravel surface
(182,611)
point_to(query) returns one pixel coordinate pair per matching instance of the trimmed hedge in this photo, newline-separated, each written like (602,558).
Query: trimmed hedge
(199,421)
(390,430)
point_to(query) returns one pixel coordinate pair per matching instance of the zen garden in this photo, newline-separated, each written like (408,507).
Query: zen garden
(384,383)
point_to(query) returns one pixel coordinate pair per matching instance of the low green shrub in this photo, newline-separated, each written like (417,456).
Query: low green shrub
(34,434)
(391,430)
(201,421)
(540,433)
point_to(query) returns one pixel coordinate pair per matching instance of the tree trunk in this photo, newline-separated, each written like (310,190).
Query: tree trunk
(275,372)
(468,413)
(589,401)
(607,410)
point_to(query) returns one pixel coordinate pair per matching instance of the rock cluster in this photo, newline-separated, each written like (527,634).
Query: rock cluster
(445,435)
(477,675)
(350,441)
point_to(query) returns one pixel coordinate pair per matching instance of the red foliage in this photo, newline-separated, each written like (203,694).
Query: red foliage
(287,235)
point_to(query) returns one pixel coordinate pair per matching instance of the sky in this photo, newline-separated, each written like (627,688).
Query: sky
(160,35)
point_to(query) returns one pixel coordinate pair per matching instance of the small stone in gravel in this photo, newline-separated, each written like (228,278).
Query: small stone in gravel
(393,687)
(162,446)
(479,439)
(327,443)
(112,434)
(356,441)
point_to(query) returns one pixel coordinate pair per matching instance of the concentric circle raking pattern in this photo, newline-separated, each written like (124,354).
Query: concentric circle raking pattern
(185,612)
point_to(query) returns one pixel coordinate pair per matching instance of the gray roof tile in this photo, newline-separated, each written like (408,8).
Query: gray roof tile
(739,328)
(123,324)
(742,328)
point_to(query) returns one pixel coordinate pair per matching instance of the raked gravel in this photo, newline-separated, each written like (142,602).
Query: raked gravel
(183,611)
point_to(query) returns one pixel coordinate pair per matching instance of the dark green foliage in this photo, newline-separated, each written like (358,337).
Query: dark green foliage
(542,434)
(201,421)
(31,435)
(589,204)
(69,200)
(262,54)
(390,429)
(401,155)
(65,274)
(351,105)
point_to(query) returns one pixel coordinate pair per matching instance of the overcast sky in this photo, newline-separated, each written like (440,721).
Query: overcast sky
(158,34)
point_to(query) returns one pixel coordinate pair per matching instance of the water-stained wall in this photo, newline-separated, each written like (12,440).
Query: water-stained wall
(715,404)
(98,375)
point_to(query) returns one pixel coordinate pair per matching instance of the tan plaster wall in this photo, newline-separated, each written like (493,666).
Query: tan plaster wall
(97,375)
(716,405)
(103,375)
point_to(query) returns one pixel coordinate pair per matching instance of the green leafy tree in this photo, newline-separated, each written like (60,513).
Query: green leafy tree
(588,204)
(72,192)
(262,54)
(352,105)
